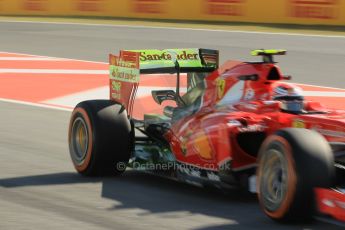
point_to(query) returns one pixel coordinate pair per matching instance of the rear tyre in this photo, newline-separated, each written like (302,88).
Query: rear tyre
(100,138)
(290,164)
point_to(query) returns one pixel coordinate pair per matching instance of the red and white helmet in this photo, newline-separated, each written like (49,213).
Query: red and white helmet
(291,97)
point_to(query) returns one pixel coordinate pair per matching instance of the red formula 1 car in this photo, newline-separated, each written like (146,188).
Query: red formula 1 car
(235,125)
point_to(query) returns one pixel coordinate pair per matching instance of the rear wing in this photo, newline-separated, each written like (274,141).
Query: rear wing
(126,68)
(182,60)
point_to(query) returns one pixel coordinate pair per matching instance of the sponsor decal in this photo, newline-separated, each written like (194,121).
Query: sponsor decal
(124,74)
(189,170)
(195,173)
(225,7)
(90,5)
(167,56)
(124,70)
(149,6)
(213,176)
(249,94)
(35,5)
(233,95)
(199,172)
(317,9)
(220,83)
(298,123)
(252,128)
(116,85)
(116,96)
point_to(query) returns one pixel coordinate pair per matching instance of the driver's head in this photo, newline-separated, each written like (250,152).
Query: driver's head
(290,96)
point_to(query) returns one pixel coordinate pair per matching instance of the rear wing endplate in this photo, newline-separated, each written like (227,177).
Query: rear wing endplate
(124,78)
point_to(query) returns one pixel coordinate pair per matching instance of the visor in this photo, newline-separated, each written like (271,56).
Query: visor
(292,106)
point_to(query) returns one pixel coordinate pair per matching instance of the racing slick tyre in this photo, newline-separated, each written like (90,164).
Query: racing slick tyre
(291,163)
(100,138)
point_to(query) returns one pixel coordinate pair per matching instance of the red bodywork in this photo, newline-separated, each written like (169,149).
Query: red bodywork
(231,106)
(331,202)
(232,109)
(208,138)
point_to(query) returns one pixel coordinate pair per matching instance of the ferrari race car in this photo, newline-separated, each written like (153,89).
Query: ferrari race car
(240,124)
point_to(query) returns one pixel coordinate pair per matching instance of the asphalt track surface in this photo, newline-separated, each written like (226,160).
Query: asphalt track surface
(38,186)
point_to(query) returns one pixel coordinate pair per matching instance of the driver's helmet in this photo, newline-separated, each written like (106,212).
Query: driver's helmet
(290,96)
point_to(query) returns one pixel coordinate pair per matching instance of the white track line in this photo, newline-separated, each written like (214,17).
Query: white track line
(73,99)
(175,28)
(325,87)
(55,71)
(41,105)
(28,55)
(30,59)
(69,59)
(323,94)
(62,59)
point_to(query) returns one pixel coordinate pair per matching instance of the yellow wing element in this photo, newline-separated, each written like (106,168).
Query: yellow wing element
(268,52)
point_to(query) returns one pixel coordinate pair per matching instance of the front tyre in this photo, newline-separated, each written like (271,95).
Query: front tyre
(100,138)
(290,164)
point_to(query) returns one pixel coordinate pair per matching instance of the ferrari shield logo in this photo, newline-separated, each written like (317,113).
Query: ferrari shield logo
(298,124)
(220,88)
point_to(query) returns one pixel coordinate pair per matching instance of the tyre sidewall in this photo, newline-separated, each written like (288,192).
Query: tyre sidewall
(85,164)
(279,143)
(110,135)
(310,158)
